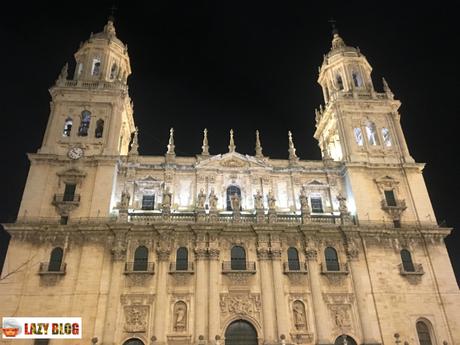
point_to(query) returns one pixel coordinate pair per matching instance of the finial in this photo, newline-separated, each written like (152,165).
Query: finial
(335,31)
(64,72)
(258,146)
(205,147)
(135,144)
(231,146)
(292,155)
(387,89)
(113,8)
(171,143)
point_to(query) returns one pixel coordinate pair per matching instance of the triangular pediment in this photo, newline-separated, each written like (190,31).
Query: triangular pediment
(231,160)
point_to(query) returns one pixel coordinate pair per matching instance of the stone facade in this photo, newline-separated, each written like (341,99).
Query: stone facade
(173,250)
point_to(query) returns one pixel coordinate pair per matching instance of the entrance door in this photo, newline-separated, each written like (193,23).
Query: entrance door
(345,340)
(240,333)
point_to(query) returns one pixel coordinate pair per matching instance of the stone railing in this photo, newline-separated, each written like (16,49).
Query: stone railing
(238,266)
(139,267)
(295,267)
(417,270)
(181,267)
(92,84)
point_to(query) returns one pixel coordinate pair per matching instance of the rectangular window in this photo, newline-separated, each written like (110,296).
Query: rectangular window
(316,204)
(64,220)
(397,223)
(148,202)
(390,198)
(69,192)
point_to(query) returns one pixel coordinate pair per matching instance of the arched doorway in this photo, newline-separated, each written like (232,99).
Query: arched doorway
(345,340)
(240,332)
(133,341)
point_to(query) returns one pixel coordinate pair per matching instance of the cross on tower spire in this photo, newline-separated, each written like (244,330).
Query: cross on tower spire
(332,21)
(113,8)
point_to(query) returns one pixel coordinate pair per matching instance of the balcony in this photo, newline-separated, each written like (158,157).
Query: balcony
(66,198)
(139,267)
(341,269)
(52,268)
(181,267)
(239,267)
(417,270)
(295,267)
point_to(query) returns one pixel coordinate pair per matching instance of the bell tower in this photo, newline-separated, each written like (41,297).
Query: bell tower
(89,128)
(92,113)
(357,124)
(360,128)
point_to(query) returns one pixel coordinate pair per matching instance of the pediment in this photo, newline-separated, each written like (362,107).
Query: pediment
(232,160)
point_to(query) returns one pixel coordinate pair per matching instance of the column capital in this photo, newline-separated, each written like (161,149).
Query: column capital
(263,253)
(201,253)
(311,254)
(163,254)
(276,254)
(213,253)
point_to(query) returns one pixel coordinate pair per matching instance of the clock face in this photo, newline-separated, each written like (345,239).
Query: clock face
(75,153)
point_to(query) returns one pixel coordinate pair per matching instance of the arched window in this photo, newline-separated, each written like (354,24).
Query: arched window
(358,136)
(182,259)
(67,127)
(55,260)
(357,81)
(238,258)
(386,137)
(84,125)
(96,69)
(293,259)
(230,191)
(344,340)
(338,78)
(141,256)
(99,128)
(113,71)
(423,333)
(133,341)
(332,261)
(406,259)
(371,133)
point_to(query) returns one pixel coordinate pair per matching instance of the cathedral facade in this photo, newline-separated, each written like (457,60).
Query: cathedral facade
(229,248)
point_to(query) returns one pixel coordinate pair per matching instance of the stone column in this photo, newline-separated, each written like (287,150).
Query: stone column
(363,293)
(214,290)
(113,301)
(322,320)
(401,139)
(266,287)
(201,293)
(161,299)
(282,319)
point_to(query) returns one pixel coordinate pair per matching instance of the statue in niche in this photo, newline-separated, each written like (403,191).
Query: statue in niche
(213,200)
(201,199)
(166,204)
(342,204)
(299,315)
(235,201)
(180,317)
(258,201)
(271,201)
(303,200)
(125,197)
(64,72)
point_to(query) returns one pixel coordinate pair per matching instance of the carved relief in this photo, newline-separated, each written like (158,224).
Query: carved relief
(136,318)
(340,310)
(240,304)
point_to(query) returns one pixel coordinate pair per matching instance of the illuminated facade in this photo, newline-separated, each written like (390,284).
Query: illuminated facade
(229,248)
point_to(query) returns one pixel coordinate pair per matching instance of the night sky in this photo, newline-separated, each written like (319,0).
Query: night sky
(244,65)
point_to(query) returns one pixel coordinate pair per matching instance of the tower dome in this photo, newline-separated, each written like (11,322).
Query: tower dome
(103,57)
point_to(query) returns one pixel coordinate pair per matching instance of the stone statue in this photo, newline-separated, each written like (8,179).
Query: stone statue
(235,201)
(303,200)
(213,200)
(180,315)
(342,204)
(258,201)
(271,201)
(125,197)
(299,315)
(201,199)
(166,204)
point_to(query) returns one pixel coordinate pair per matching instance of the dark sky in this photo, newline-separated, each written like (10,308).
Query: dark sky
(238,64)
